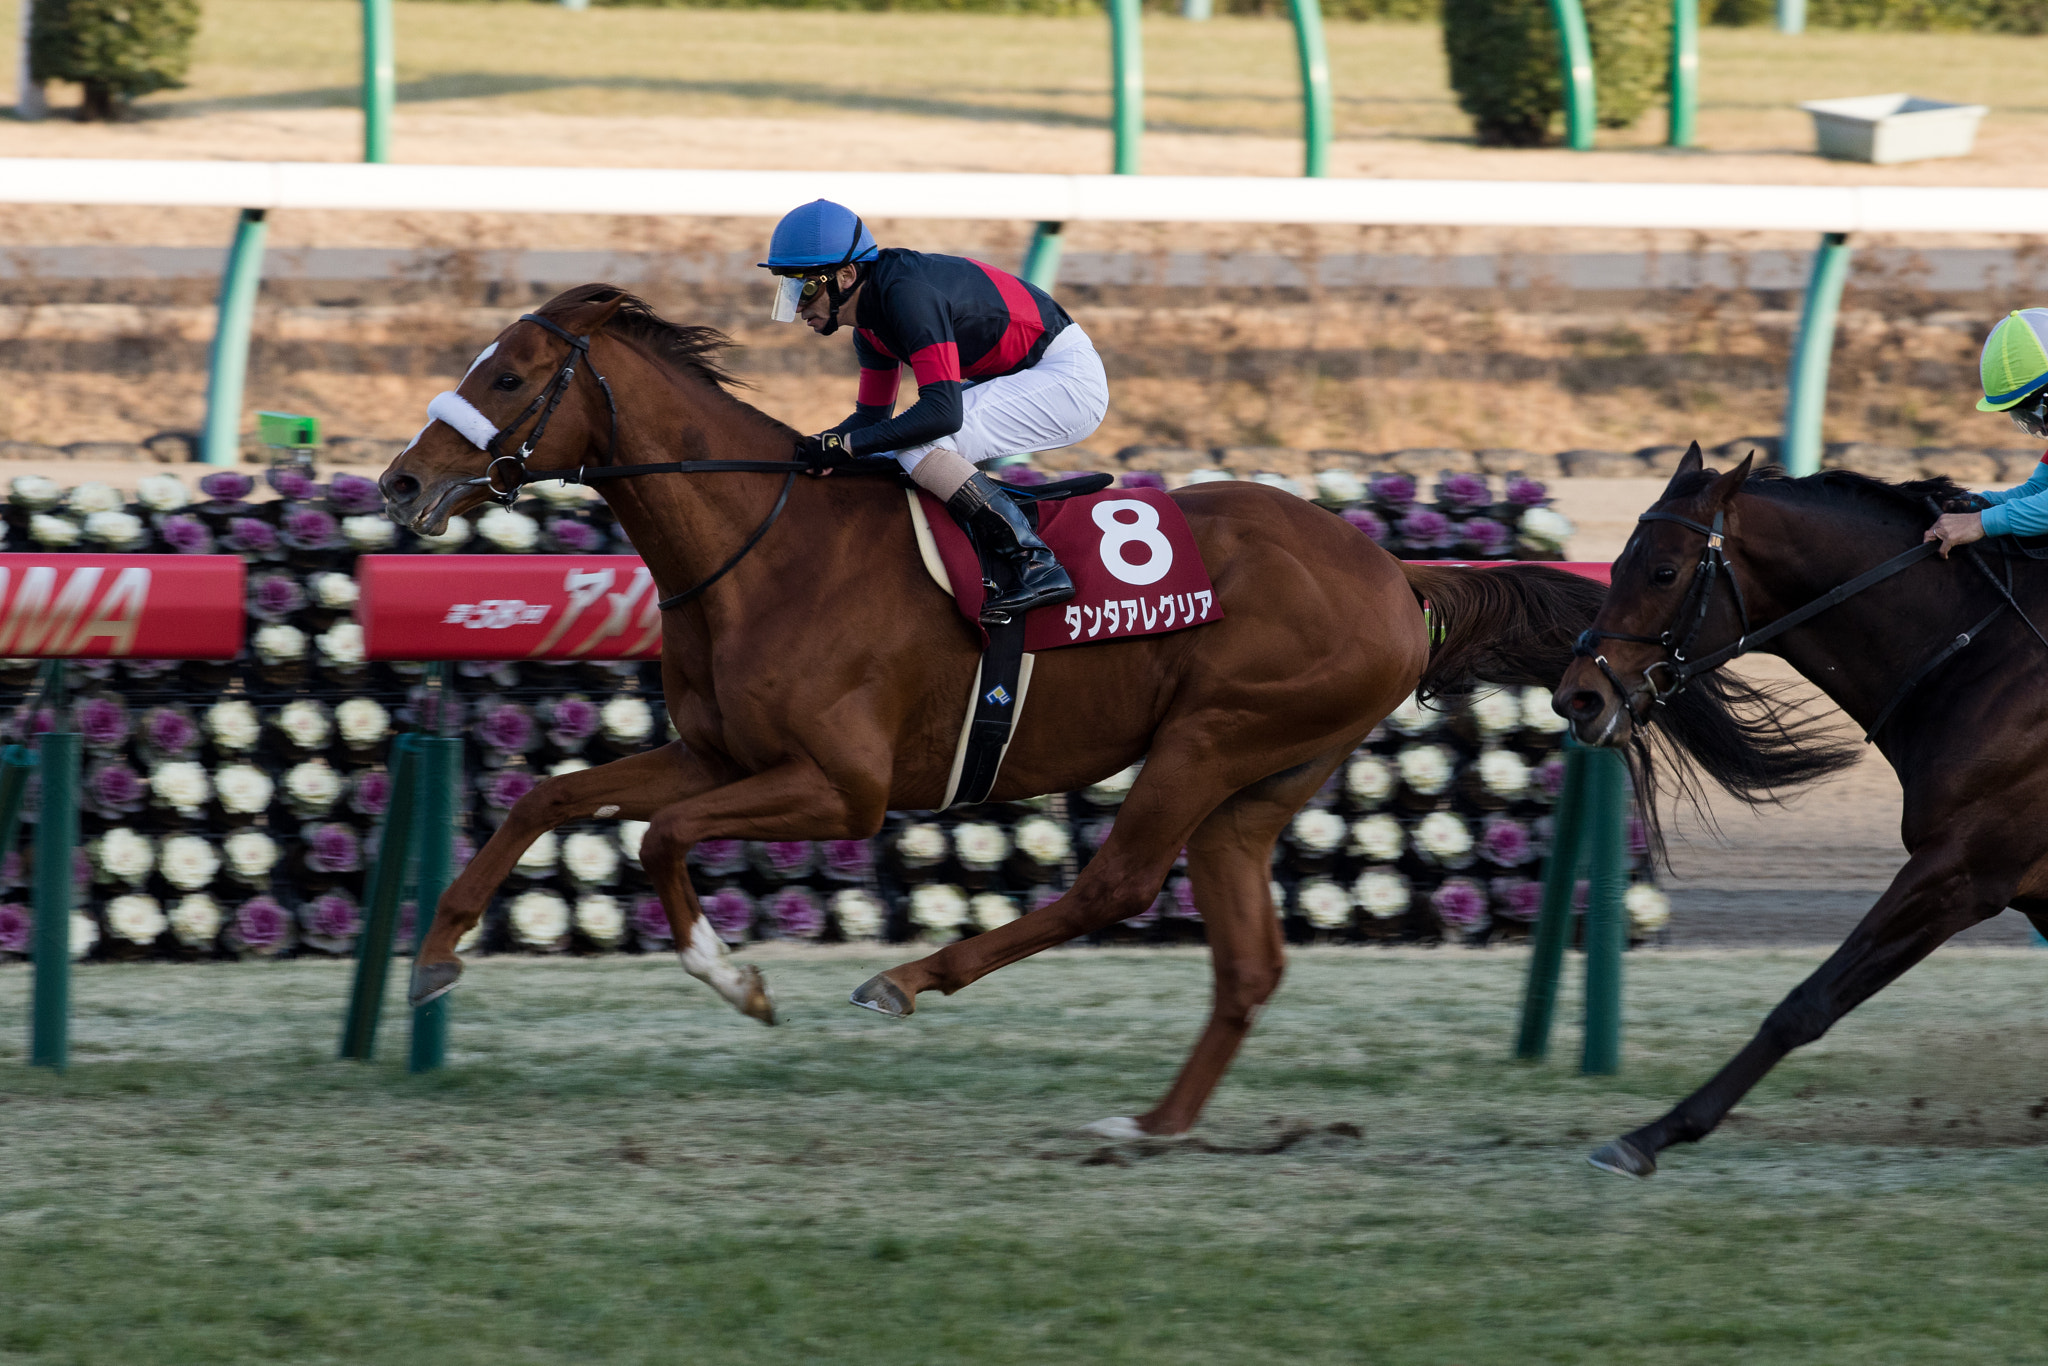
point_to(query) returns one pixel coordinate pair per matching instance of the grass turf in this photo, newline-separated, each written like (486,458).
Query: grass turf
(617,1168)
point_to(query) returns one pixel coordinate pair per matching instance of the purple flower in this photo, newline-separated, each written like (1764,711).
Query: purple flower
(226,486)
(1517,898)
(1044,897)
(332,847)
(1022,476)
(350,494)
(311,529)
(273,597)
(1460,903)
(731,912)
(1638,837)
(290,482)
(1394,491)
(43,722)
(651,920)
(12,868)
(370,793)
(506,728)
(573,718)
(1143,479)
(573,537)
(1366,521)
(1427,530)
(1488,536)
(507,786)
(1463,491)
(81,868)
(796,913)
(1524,492)
(169,730)
(408,922)
(426,708)
(1184,899)
(260,922)
(248,536)
(15,924)
(112,788)
(719,857)
(334,916)
(186,535)
(848,860)
(1549,777)
(788,858)
(149,668)
(1149,915)
(465,849)
(1505,841)
(103,722)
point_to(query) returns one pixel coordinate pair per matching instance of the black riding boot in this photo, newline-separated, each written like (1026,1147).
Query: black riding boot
(1002,526)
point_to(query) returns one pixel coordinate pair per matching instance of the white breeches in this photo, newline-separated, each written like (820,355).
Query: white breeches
(1057,402)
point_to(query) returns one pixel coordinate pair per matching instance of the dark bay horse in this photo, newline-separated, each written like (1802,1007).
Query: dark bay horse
(1965,725)
(821,681)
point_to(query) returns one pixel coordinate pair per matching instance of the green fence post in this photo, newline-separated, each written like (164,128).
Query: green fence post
(382,891)
(1791,16)
(1685,73)
(1807,403)
(1315,85)
(380,80)
(56,837)
(1606,927)
(440,768)
(16,763)
(1042,258)
(1576,52)
(1127,80)
(1554,922)
(229,366)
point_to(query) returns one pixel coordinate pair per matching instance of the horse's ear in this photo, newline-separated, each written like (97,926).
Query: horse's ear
(606,311)
(1725,487)
(1688,464)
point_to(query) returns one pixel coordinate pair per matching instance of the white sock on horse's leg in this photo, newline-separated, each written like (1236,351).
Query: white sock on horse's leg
(704,958)
(939,472)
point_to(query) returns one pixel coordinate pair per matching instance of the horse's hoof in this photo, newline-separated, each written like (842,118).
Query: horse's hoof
(432,981)
(1117,1128)
(882,996)
(1623,1158)
(759,1004)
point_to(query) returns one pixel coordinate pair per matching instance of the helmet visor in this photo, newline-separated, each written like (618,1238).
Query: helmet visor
(789,291)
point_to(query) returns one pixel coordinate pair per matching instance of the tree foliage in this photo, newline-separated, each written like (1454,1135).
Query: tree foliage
(1506,68)
(116,49)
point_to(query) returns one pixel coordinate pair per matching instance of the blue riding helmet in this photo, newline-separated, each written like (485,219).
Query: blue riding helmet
(818,236)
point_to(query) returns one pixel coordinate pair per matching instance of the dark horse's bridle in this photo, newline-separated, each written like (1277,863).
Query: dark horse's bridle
(517,476)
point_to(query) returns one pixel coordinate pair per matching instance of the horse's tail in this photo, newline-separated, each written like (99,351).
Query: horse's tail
(1514,625)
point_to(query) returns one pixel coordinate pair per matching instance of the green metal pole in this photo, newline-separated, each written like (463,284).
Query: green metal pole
(440,768)
(1576,50)
(1554,921)
(1791,16)
(1606,928)
(1807,403)
(1042,258)
(1315,85)
(380,80)
(1685,73)
(16,763)
(56,837)
(384,886)
(222,442)
(1127,80)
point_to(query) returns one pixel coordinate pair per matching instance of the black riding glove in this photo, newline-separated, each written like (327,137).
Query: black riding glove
(824,451)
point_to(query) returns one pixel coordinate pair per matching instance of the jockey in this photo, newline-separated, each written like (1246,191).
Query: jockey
(1001,370)
(2014,368)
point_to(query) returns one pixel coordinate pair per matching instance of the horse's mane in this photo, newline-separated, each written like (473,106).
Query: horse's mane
(1829,486)
(698,350)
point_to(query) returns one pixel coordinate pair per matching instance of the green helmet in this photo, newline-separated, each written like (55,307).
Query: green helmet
(2015,360)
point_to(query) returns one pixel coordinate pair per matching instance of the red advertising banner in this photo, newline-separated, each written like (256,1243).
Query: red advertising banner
(507,607)
(66,606)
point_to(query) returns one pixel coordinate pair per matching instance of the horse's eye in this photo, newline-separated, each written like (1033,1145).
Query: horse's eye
(1664,575)
(508,382)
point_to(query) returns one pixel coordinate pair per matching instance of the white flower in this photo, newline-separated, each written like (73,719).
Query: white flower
(991,909)
(1278,481)
(370,531)
(601,918)
(162,492)
(562,768)
(1443,836)
(541,855)
(363,720)
(334,591)
(590,858)
(50,530)
(457,534)
(341,643)
(981,845)
(34,492)
(181,785)
(304,722)
(1380,893)
(93,496)
(558,494)
(922,844)
(1113,789)
(124,856)
(508,530)
(1504,773)
(188,862)
(1209,476)
(280,643)
(1546,528)
(137,918)
(1426,768)
(1537,713)
(1338,486)
(115,528)
(312,785)
(196,920)
(1324,904)
(1649,910)
(631,833)
(251,854)
(1044,841)
(1317,831)
(627,718)
(470,937)
(860,915)
(937,906)
(1379,838)
(233,724)
(244,789)
(85,932)
(1369,779)
(539,918)
(1412,718)
(1496,712)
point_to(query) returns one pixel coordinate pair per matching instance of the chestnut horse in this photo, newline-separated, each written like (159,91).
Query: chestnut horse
(820,682)
(1929,657)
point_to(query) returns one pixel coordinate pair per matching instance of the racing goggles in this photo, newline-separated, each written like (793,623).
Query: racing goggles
(2030,414)
(791,292)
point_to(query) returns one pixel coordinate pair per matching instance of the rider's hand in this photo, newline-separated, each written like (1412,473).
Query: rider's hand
(823,452)
(1955,528)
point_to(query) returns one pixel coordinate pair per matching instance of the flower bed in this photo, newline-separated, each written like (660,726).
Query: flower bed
(231,809)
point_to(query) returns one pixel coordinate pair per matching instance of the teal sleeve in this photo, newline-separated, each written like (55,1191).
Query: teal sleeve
(2019,511)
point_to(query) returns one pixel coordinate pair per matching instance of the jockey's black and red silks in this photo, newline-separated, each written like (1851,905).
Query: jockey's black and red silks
(951,320)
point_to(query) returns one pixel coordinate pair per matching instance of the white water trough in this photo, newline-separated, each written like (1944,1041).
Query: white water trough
(1892,128)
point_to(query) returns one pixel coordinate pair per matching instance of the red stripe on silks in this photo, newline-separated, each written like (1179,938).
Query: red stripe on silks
(937,363)
(1023,332)
(878,387)
(872,340)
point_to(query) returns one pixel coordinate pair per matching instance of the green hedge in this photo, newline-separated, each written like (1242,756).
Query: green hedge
(115,49)
(1506,70)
